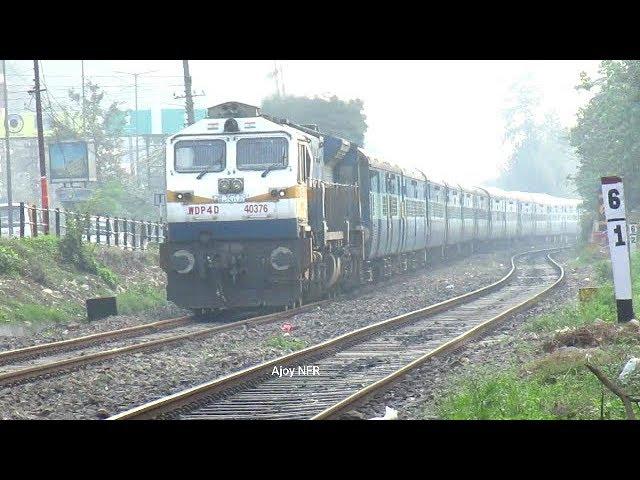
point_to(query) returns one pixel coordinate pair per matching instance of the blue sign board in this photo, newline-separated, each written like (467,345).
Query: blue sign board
(71,161)
(174,119)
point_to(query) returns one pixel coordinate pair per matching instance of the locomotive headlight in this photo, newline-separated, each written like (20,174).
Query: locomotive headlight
(277,192)
(184,196)
(237,185)
(224,185)
(183,261)
(282,258)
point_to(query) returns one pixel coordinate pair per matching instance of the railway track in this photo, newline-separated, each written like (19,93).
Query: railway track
(41,349)
(42,360)
(327,379)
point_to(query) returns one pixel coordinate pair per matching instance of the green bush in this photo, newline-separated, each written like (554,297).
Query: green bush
(74,250)
(108,276)
(10,261)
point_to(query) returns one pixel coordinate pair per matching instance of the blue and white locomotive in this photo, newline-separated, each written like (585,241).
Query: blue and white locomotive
(264,212)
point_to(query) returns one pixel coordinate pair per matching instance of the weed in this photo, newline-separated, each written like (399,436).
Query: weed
(486,395)
(140,298)
(108,276)
(10,261)
(289,344)
(34,313)
(74,250)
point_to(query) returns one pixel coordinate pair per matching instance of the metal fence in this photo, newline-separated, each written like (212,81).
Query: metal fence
(127,233)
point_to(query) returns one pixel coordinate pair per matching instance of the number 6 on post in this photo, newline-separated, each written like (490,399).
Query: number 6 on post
(613,199)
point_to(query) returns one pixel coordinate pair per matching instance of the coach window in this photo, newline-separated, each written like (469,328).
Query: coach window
(391,183)
(200,155)
(260,153)
(374,181)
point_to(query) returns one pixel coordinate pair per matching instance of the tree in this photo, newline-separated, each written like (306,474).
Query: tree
(541,158)
(333,116)
(91,120)
(117,192)
(119,199)
(607,133)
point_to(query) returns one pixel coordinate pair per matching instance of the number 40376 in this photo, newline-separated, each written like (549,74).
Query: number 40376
(256,208)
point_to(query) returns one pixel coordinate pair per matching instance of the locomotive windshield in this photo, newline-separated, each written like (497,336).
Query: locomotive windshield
(261,153)
(200,155)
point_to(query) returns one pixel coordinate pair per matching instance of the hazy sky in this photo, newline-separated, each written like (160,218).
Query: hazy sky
(442,116)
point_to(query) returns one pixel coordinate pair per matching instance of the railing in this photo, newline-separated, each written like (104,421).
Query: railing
(126,233)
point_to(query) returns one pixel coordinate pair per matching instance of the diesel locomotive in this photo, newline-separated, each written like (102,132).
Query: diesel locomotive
(264,212)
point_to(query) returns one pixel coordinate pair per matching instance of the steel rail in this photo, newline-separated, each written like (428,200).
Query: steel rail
(88,339)
(375,388)
(79,360)
(192,395)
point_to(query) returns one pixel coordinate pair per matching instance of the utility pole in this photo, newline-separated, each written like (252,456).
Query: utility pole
(43,167)
(275,77)
(188,94)
(82,73)
(284,92)
(135,87)
(135,83)
(6,145)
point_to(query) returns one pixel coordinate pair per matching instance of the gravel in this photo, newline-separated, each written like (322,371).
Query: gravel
(101,390)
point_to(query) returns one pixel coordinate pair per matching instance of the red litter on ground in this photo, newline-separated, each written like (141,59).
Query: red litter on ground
(286,327)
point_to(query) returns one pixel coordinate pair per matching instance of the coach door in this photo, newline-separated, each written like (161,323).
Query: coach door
(375,204)
(395,229)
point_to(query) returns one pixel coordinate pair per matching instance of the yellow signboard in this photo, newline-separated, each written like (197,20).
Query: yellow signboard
(21,125)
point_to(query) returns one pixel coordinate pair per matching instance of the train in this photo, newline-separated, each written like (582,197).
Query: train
(264,212)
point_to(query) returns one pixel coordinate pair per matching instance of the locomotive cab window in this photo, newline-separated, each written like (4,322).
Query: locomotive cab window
(304,163)
(262,153)
(199,155)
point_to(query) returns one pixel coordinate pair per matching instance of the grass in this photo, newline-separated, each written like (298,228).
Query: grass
(140,298)
(555,384)
(600,306)
(68,266)
(35,313)
(568,394)
(287,344)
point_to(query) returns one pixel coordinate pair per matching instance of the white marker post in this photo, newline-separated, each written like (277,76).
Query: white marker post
(633,237)
(613,199)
